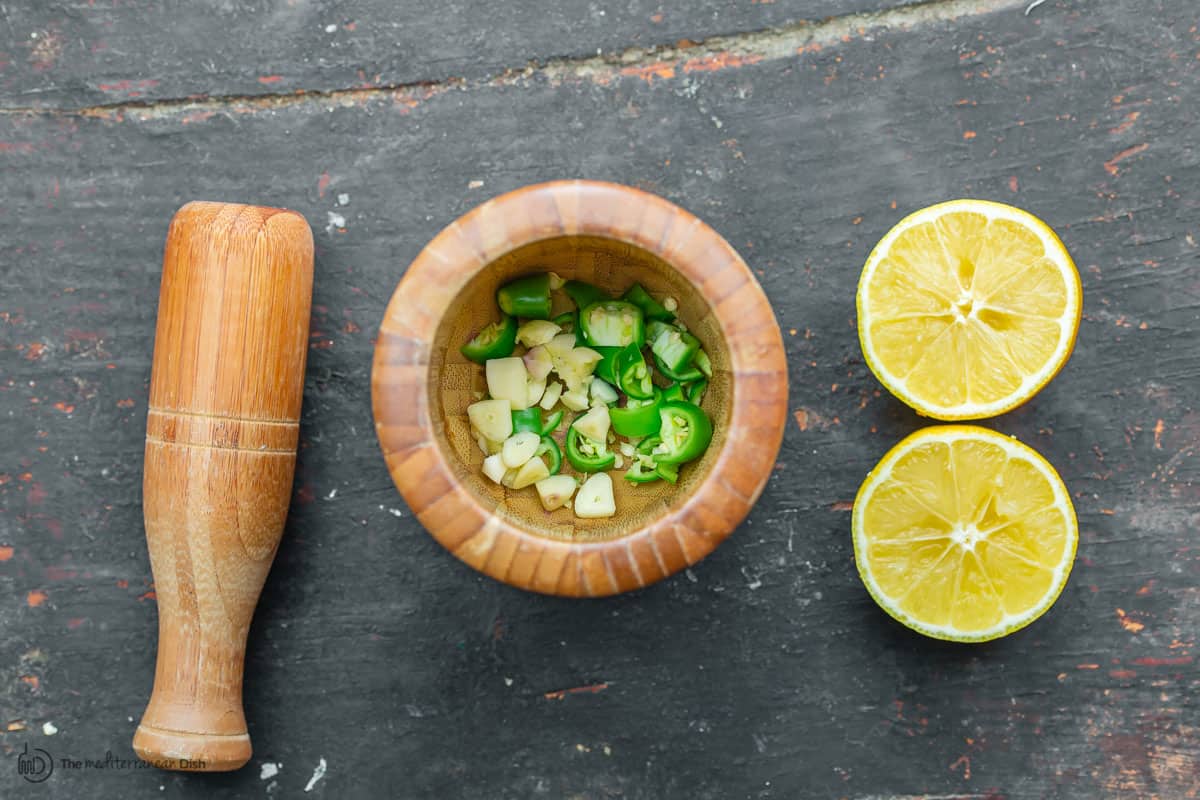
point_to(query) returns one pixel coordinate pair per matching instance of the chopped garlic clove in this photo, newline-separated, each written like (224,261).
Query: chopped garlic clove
(507,379)
(493,468)
(594,424)
(537,332)
(595,498)
(534,470)
(576,401)
(551,395)
(536,390)
(602,392)
(492,418)
(556,491)
(519,448)
(538,363)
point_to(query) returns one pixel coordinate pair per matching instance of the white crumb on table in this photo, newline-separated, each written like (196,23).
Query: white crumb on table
(318,773)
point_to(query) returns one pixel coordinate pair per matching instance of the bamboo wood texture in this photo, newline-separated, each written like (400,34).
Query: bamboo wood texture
(611,235)
(221,437)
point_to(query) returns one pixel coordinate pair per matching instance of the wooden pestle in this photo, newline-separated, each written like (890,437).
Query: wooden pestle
(221,437)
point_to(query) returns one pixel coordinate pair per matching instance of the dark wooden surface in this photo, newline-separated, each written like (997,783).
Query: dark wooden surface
(66,53)
(765,671)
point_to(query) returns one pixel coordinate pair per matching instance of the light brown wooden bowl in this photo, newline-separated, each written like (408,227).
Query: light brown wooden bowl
(609,235)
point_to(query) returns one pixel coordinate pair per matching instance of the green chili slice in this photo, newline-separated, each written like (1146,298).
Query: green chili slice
(606,370)
(587,455)
(686,432)
(527,419)
(527,297)
(496,340)
(653,309)
(552,423)
(612,323)
(640,473)
(584,294)
(549,447)
(675,349)
(639,418)
(687,375)
(633,376)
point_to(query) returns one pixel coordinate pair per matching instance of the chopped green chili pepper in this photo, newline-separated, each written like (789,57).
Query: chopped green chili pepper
(638,418)
(527,297)
(612,323)
(633,376)
(551,425)
(675,349)
(569,322)
(640,473)
(584,294)
(668,472)
(667,424)
(653,309)
(606,370)
(686,433)
(646,446)
(655,328)
(496,340)
(550,447)
(688,375)
(587,455)
(528,419)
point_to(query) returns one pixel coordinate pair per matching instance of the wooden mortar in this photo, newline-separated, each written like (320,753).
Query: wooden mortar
(221,439)
(611,236)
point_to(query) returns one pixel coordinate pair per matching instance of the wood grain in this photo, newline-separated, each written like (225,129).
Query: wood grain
(143,51)
(610,235)
(221,438)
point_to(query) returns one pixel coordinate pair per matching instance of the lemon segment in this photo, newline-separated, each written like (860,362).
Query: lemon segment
(963,534)
(967,309)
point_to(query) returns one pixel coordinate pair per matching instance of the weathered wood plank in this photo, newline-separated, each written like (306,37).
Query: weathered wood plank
(70,53)
(766,671)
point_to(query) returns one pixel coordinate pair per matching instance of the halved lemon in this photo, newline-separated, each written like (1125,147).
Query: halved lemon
(963,534)
(967,309)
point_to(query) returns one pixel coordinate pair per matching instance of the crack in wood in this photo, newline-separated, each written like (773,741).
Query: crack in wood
(659,62)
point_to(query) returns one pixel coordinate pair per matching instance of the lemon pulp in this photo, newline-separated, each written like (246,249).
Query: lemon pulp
(966,309)
(963,534)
